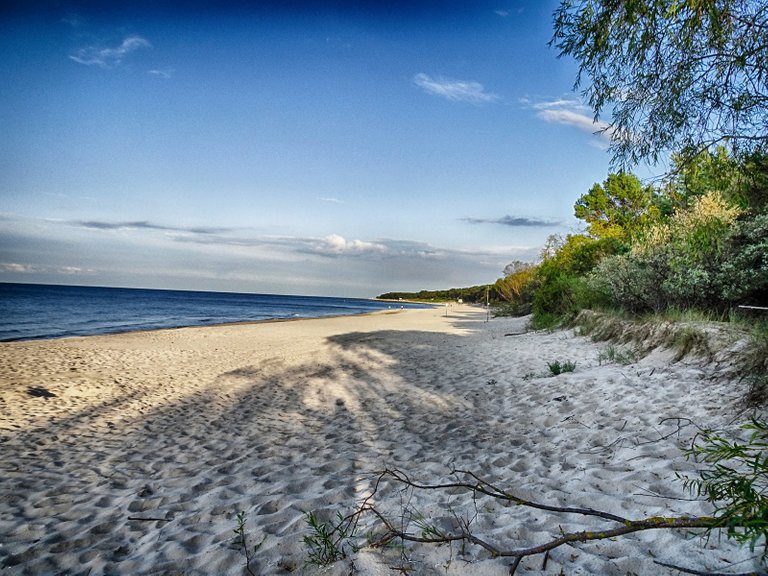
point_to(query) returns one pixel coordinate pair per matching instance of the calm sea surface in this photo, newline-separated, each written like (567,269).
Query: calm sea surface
(32,311)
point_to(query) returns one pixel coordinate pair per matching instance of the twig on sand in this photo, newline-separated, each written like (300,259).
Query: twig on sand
(477,486)
(700,573)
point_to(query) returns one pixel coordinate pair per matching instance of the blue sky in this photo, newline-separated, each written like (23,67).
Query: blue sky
(329,148)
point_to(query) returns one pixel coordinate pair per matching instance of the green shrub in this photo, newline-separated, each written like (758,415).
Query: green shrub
(508,309)
(545,321)
(629,283)
(561,296)
(743,275)
(692,284)
(682,262)
(687,250)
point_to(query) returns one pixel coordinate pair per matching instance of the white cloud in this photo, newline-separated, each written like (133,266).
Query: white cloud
(572,113)
(74,270)
(571,118)
(454,90)
(109,57)
(335,245)
(16,268)
(331,200)
(567,103)
(162,73)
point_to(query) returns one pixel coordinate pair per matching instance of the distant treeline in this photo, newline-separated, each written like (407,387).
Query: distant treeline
(472,295)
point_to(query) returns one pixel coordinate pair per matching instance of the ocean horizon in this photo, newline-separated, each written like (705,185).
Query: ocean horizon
(44,311)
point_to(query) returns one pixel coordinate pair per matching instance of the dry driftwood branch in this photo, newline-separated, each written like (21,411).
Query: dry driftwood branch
(476,485)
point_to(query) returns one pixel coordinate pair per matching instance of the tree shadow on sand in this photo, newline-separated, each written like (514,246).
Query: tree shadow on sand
(274,439)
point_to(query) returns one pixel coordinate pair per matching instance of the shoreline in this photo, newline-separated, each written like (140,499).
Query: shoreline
(185,326)
(152,442)
(43,312)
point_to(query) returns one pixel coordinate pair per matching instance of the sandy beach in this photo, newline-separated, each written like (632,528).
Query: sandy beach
(133,453)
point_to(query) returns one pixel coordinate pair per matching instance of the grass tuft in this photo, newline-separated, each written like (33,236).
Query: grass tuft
(558,367)
(688,340)
(614,355)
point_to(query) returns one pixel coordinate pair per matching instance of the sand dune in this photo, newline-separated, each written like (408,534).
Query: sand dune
(133,453)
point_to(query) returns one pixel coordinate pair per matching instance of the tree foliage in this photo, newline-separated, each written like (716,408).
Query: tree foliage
(471,294)
(617,207)
(560,288)
(742,180)
(675,75)
(709,170)
(517,287)
(679,262)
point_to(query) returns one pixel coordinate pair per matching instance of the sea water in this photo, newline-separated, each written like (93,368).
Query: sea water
(33,311)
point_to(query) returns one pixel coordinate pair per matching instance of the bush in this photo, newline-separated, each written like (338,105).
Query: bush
(561,296)
(545,321)
(677,263)
(630,283)
(692,285)
(560,286)
(743,276)
(613,354)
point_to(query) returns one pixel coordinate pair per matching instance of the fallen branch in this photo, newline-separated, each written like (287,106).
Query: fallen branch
(476,486)
(700,573)
(733,479)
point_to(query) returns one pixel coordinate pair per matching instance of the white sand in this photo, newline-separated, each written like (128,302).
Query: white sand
(191,426)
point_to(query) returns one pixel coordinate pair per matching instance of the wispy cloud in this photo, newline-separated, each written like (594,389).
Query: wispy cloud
(148,253)
(455,90)
(570,112)
(73,270)
(146,225)
(73,20)
(331,200)
(571,118)
(107,57)
(514,221)
(330,246)
(559,104)
(17,268)
(162,73)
